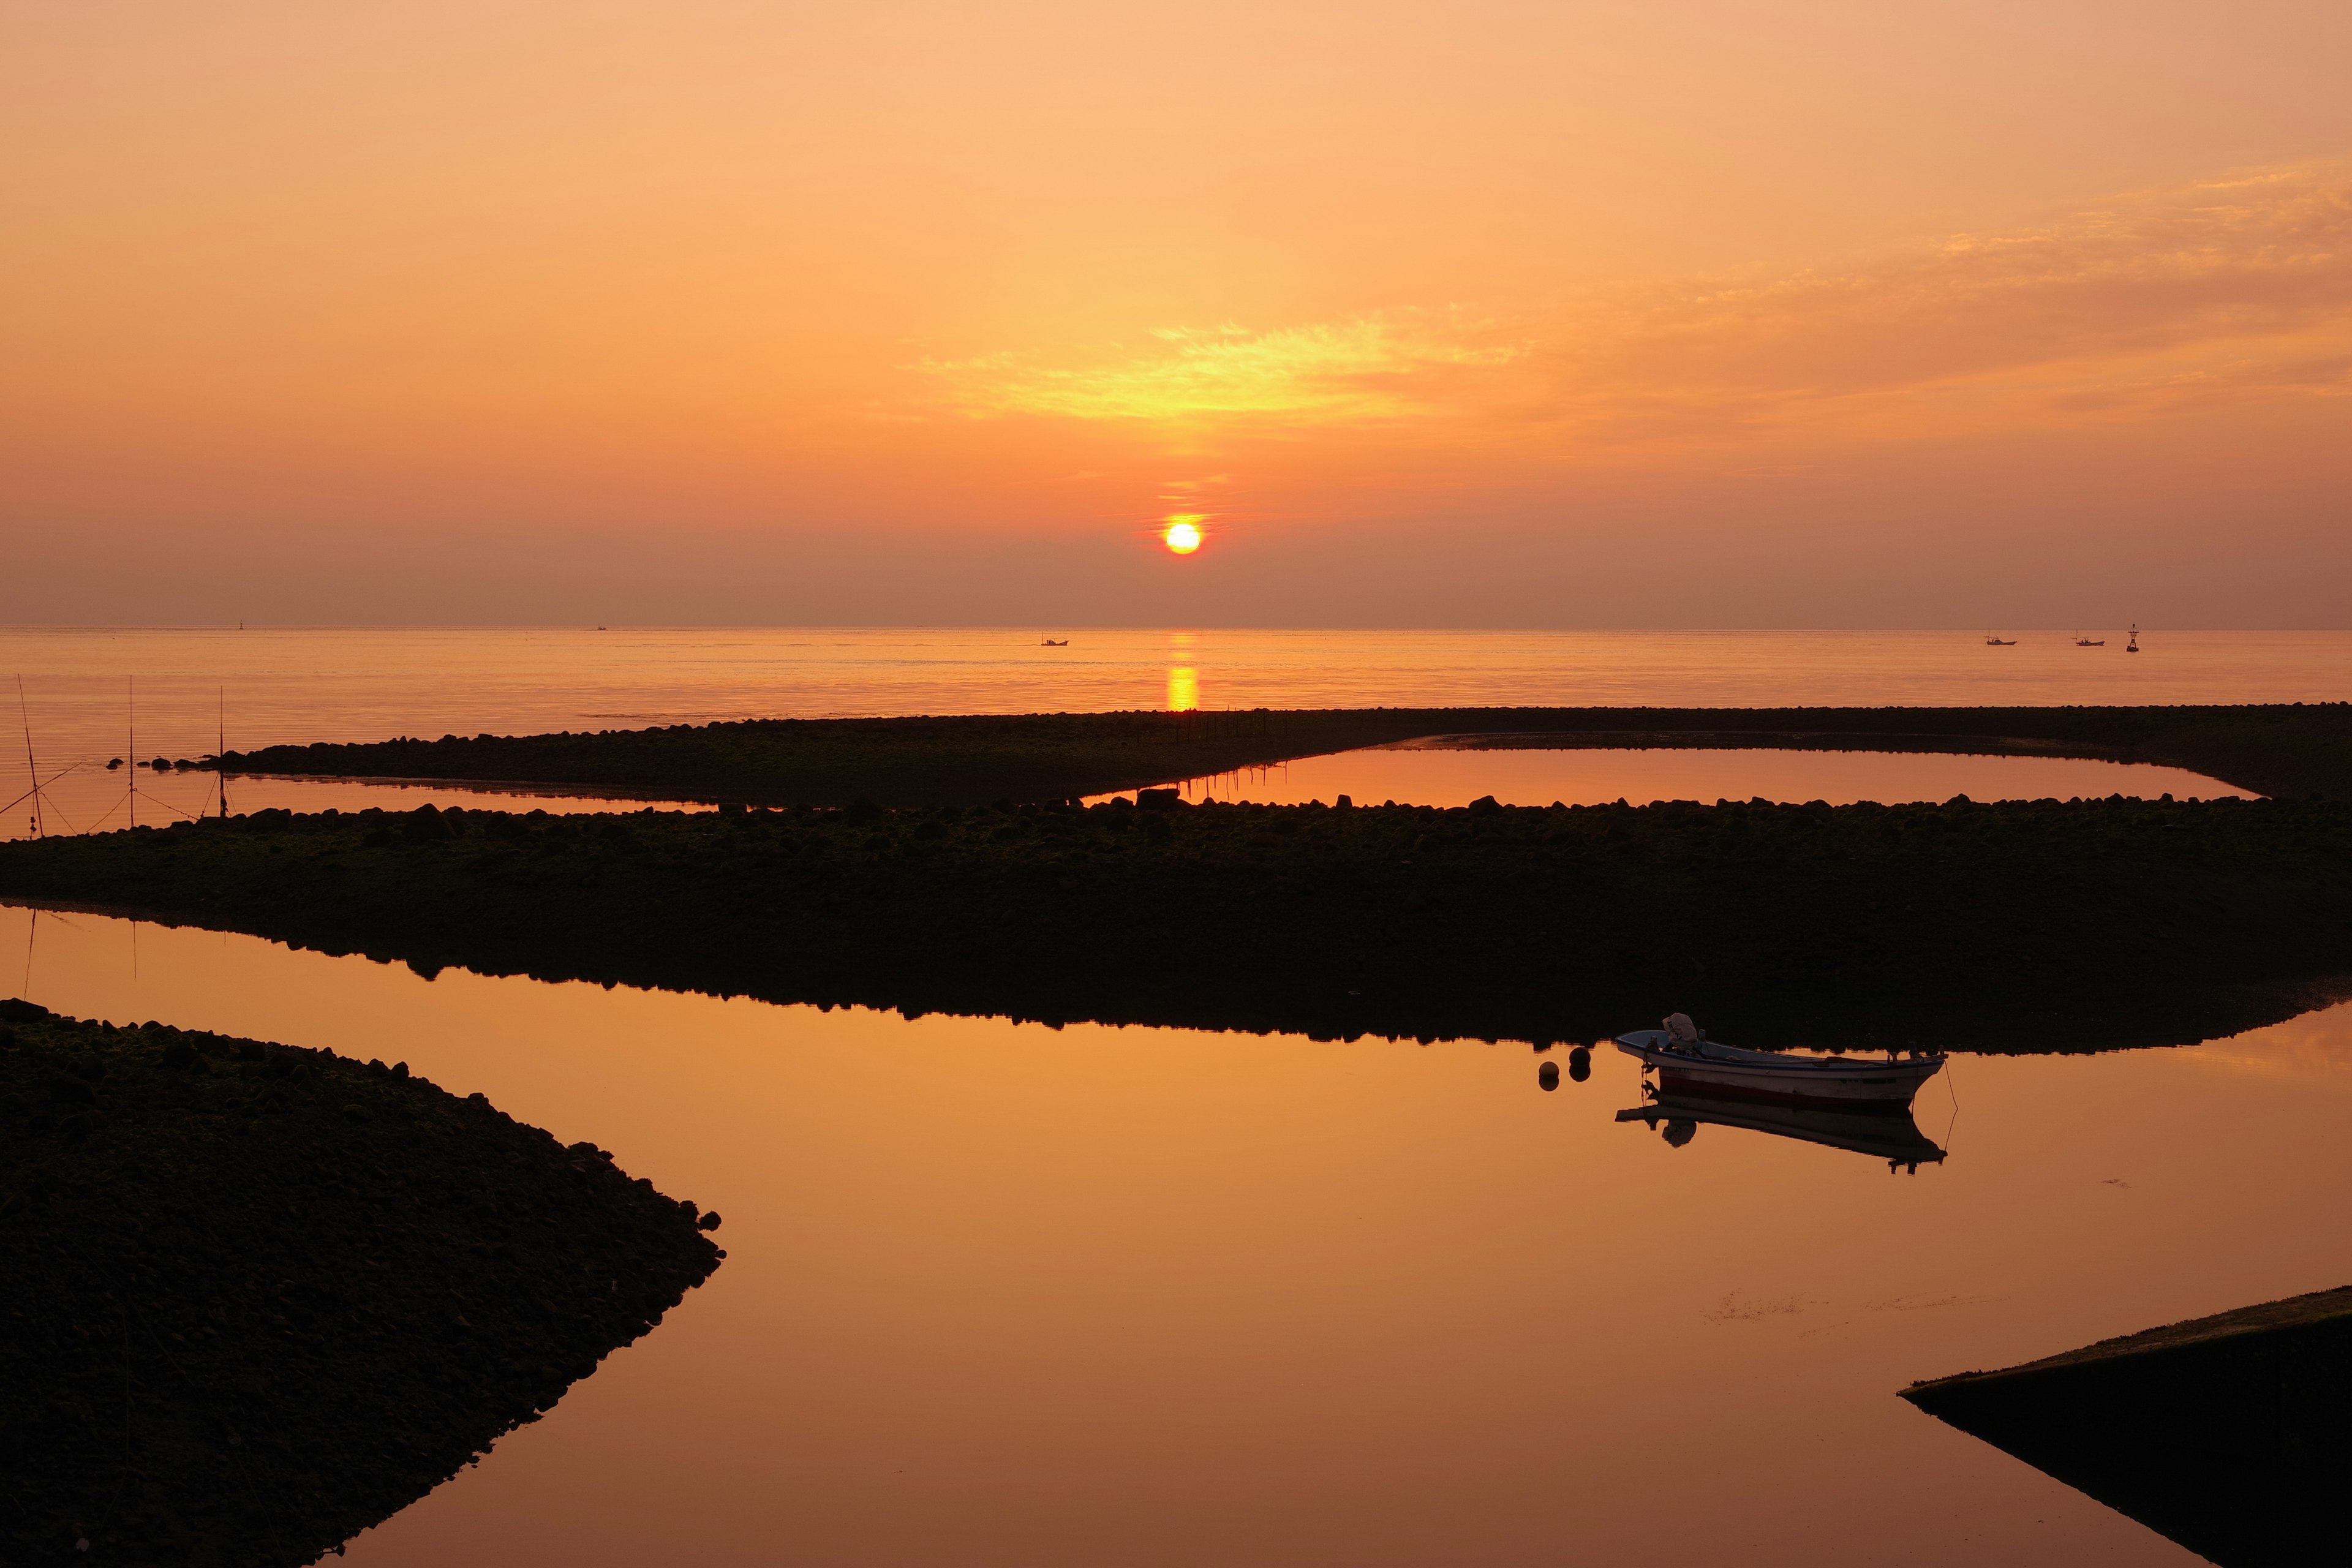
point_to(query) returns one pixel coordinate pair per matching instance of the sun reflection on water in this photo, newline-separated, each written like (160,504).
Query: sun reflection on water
(1183,672)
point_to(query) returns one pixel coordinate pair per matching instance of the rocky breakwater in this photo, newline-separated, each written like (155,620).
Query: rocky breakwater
(2230,1435)
(2023,925)
(257,1298)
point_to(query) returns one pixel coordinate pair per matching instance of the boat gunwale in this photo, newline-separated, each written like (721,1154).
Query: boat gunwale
(1650,1045)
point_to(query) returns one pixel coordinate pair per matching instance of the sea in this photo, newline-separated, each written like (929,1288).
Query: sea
(1004,1294)
(86,697)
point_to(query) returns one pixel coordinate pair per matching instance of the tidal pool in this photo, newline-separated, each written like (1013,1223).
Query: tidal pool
(1008,1294)
(1418,773)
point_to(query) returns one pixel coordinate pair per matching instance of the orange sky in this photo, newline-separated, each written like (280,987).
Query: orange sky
(1804,313)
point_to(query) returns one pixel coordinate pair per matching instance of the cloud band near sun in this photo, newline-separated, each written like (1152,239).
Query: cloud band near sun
(2223,290)
(1367,368)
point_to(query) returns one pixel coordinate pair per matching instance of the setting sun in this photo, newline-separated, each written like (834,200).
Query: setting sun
(1182,535)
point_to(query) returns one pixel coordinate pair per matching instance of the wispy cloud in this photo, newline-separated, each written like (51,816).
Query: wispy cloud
(2218,292)
(2236,276)
(1368,368)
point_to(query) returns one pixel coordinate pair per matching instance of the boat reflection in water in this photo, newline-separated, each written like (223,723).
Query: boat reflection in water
(1844,1103)
(1892,1136)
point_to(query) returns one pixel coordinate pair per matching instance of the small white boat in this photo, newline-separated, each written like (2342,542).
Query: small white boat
(1687,1062)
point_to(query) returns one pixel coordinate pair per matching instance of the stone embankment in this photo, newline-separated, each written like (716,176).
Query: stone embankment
(2230,1435)
(2031,926)
(257,1298)
(2285,749)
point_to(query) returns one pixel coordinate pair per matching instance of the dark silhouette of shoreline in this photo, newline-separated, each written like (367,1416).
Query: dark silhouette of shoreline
(2290,749)
(2228,1434)
(259,1298)
(2018,926)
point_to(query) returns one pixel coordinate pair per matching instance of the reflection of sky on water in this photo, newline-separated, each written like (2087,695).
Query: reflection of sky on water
(1008,1293)
(97,800)
(1595,776)
(2318,1045)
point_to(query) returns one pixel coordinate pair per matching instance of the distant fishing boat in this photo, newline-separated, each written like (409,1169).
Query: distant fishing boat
(2089,642)
(2133,646)
(1051,642)
(1992,641)
(1688,1063)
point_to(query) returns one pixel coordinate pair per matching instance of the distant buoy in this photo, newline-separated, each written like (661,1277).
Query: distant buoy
(1547,1077)
(1579,1064)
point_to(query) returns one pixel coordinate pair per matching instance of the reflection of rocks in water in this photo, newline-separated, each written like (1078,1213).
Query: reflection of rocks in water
(2230,1434)
(1868,924)
(256,1298)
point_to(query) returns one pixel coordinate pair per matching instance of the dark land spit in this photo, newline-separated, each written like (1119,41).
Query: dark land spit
(2230,1435)
(2025,926)
(2287,749)
(257,1298)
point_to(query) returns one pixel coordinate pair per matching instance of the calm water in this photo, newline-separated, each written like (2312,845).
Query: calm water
(1003,1294)
(85,690)
(1593,777)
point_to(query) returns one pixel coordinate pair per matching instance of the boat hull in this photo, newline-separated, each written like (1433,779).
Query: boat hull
(1717,1072)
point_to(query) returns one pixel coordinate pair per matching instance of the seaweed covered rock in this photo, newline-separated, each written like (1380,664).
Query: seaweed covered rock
(257,1298)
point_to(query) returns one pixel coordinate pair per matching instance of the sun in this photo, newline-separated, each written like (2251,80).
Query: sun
(1182,534)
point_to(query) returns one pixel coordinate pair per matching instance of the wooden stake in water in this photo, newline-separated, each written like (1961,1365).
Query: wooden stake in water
(32,772)
(130,687)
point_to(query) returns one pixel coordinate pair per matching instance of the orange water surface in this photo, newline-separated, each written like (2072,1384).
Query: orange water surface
(1005,1294)
(92,694)
(1596,776)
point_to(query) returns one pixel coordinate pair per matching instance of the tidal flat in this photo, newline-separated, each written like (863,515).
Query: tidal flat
(258,1297)
(2016,926)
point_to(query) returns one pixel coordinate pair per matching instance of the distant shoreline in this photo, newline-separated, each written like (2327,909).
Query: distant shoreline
(2294,750)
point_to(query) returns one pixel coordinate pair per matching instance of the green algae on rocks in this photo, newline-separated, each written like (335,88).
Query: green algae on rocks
(2031,925)
(257,1298)
(2230,1435)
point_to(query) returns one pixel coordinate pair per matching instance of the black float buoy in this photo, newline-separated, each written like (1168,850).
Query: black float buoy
(1547,1077)
(1579,1064)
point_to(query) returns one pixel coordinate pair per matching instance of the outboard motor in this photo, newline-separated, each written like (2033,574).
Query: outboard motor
(1680,1030)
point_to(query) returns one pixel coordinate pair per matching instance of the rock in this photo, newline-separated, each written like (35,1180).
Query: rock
(330,1316)
(2231,1435)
